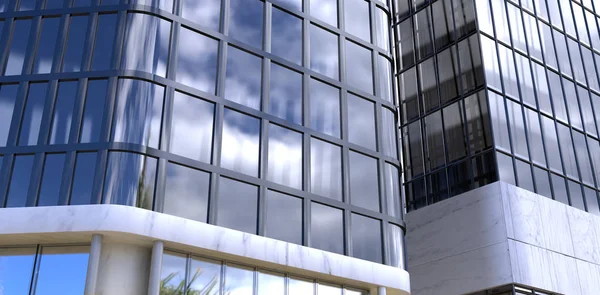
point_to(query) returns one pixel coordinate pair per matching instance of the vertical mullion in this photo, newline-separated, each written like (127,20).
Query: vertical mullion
(36,177)
(67,179)
(47,116)
(5,175)
(88,45)
(5,42)
(35,31)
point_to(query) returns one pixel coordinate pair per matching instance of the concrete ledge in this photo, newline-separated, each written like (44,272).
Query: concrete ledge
(70,224)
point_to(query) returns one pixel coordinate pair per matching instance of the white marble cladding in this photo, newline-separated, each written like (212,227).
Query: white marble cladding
(501,234)
(65,224)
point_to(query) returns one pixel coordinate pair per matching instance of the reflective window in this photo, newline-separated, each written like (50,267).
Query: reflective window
(356,16)
(385,79)
(572,104)
(524,178)
(464,16)
(490,61)
(197,60)
(327,228)
(434,133)
(364,181)
(498,114)
(72,263)
(392,190)
(561,52)
(560,189)
(361,122)
(19,263)
(541,88)
(104,43)
(542,182)
(324,52)
(186,192)
(328,290)
(591,199)
(586,110)
(295,4)
(413,140)
(532,36)
(283,220)
(18,45)
(26,5)
(406,39)
(516,28)
(240,143)
(93,112)
(558,99)
(206,13)
(130,180)
(551,143)
(51,180)
(243,78)
(567,150)
(366,238)
(325,108)
(146,44)
(396,244)
(173,272)
(505,168)
(409,94)
(581,152)
(63,112)
(237,205)
(46,46)
(447,69)
(163,4)
(509,73)
(548,45)
(238,280)
(285,156)
(484,169)
(478,122)
(429,91)
(575,55)
(388,135)
(470,63)
(501,21)
(82,3)
(423,30)
(525,80)
(138,113)
(359,67)
(517,129)
(325,169)
(595,156)
(484,17)
(19,181)
(300,287)
(83,179)
(534,134)
(192,127)
(204,276)
(8,96)
(443,23)
(575,195)
(567,14)
(270,283)
(454,129)
(382,29)
(73,55)
(286,94)
(325,10)
(246,21)
(32,117)
(590,70)
(286,36)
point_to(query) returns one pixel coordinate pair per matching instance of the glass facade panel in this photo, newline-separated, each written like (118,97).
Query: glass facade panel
(356,16)
(246,21)
(146,44)
(364,181)
(286,36)
(361,126)
(325,108)
(325,169)
(73,56)
(93,111)
(284,217)
(243,78)
(388,134)
(192,127)
(238,279)
(326,232)
(366,238)
(51,180)
(237,205)
(20,262)
(18,46)
(186,192)
(286,94)
(32,117)
(71,263)
(206,13)
(63,112)
(326,62)
(206,275)
(359,67)
(83,179)
(270,283)
(197,60)
(285,157)
(102,54)
(8,97)
(325,10)
(240,143)
(46,46)
(130,180)
(19,181)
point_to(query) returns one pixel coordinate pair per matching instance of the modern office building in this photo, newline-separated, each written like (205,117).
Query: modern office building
(199,147)
(500,117)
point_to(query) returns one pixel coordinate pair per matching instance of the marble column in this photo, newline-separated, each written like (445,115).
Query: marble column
(93,265)
(124,269)
(155,267)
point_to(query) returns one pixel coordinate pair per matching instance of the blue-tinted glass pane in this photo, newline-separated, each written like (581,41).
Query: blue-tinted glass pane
(246,21)
(62,270)
(32,118)
(186,193)
(366,238)
(63,112)
(284,217)
(364,181)
(109,2)
(325,108)
(18,45)
(162,4)
(105,38)
(576,195)
(203,12)
(80,3)
(19,182)
(83,179)
(356,16)
(138,112)
(53,4)
(560,189)
(8,95)
(146,44)
(207,276)
(392,190)
(17,269)
(286,36)
(243,77)
(325,169)
(46,45)
(75,43)
(237,205)
(286,94)
(192,127)
(240,143)
(93,111)
(238,280)
(324,52)
(27,5)
(51,180)
(325,10)
(197,60)
(359,67)
(327,228)
(130,180)
(285,157)
(173,270)
(361,122)
(388,136)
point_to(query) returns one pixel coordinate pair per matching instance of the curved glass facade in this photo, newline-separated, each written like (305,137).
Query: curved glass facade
(274,118)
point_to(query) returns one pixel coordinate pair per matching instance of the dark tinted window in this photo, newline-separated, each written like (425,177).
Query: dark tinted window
(484,169)
(364,181)
(83,179)
(366,238)
(454,129)
(8,96)
(46,46)
(63,112)
(542,182)
(103,45)
(18,45)
(434,133)
(186,192)
(480,135)
(130,180)
(423,30)
(93,112)
(32,117)
(459,178)
(19,181)
(284,217)
(51,180)
(327,228)
(560,189)
(75,43)
(237,205)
